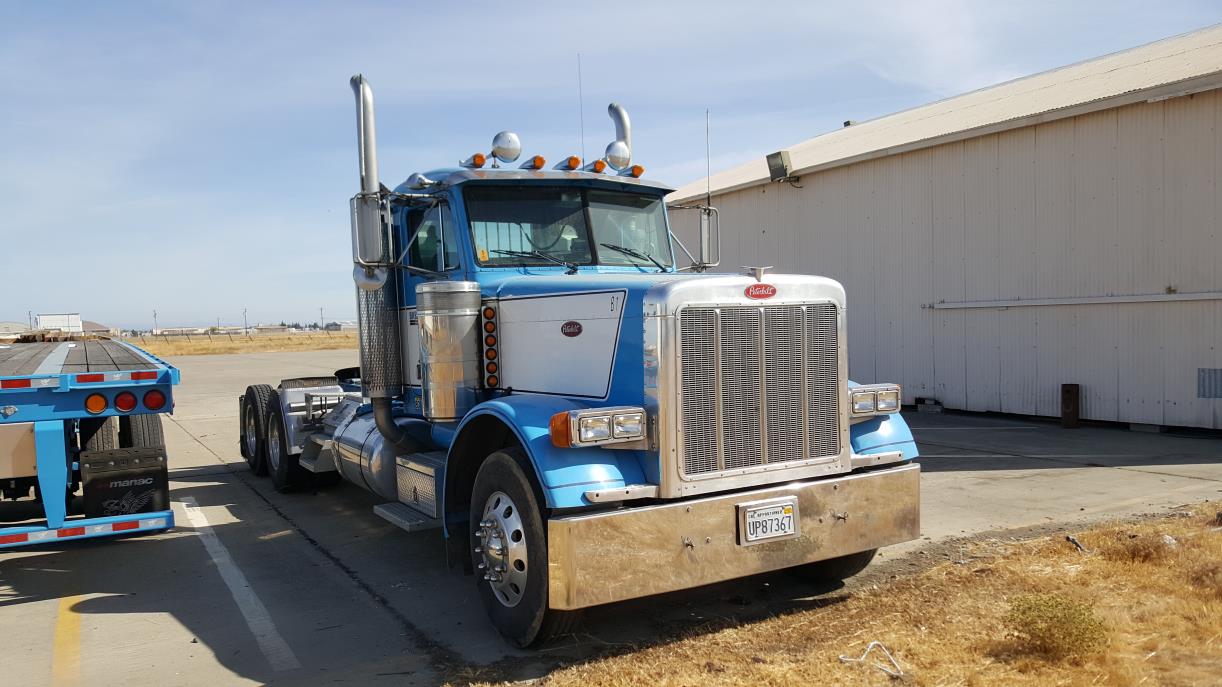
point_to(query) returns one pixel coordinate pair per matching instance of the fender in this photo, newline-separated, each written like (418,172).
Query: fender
(564,474)
(883,434)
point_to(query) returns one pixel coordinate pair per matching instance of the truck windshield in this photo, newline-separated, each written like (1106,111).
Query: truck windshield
(572,225)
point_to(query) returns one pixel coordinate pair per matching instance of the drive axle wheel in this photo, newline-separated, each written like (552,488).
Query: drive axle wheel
(509,552)
(287,474)
(253,436)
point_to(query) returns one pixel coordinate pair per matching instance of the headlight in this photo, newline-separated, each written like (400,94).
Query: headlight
(875,399)
(598,427)
(888,401)
(593,429)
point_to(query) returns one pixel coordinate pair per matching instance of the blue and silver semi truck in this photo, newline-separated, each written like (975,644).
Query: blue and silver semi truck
(82,452)
(585,416)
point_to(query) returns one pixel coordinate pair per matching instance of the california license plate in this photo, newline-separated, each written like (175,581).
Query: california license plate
(761,521)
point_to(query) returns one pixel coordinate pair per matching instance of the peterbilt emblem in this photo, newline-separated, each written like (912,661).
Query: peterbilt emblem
(571,329)
(760,291)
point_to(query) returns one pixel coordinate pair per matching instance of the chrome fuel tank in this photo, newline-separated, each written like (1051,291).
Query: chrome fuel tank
(364,457)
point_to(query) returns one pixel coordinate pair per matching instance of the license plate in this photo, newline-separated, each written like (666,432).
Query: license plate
(761,521)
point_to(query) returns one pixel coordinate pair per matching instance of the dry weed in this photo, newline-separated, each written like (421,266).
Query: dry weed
(202,344)
(1055,626)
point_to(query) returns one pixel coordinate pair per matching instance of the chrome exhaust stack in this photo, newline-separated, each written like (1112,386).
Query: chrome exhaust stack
(377,299)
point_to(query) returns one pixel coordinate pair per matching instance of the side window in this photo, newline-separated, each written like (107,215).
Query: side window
(433,239)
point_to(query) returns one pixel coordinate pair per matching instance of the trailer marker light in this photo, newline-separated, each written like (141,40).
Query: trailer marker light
(90,378)
(149,374)
(14,383)
(95,403)
(154,400)
(125,402)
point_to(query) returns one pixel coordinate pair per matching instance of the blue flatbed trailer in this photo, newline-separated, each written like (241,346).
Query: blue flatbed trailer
(67,403)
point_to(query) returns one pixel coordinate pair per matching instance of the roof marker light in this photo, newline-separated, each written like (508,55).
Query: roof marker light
(634,171)
(569,163)
(597,166)
(534,162)
(475,161)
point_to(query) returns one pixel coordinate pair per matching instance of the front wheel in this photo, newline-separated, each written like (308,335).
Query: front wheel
(509,552)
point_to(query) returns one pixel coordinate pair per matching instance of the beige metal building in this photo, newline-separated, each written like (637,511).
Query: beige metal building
(1060,228)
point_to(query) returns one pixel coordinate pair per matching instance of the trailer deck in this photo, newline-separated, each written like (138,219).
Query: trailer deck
(52,358)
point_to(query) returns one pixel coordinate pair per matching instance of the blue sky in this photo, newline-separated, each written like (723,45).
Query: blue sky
(197,158)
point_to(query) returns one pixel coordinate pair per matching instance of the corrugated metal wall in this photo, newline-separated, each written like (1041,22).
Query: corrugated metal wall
(1116,203)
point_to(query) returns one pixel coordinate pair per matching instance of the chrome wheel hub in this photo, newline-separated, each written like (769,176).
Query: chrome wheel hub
(500,549)
(252,434)
(273,445)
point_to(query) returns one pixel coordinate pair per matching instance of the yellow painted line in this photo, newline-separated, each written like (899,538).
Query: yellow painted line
(66,647)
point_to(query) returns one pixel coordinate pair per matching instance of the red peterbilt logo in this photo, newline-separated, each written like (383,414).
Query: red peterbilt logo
(571,329)
(760,291)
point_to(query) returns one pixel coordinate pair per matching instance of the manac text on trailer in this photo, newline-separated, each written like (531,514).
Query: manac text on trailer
(585,420)
(82,416)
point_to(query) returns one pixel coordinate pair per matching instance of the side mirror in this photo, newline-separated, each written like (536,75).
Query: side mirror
(710,237)
(368,242)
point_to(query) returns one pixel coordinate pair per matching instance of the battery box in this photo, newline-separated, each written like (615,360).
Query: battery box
(125,481)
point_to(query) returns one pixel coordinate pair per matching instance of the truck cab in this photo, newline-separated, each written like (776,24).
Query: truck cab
(585,411)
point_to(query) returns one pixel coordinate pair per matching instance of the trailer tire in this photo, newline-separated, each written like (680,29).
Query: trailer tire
(283,467)
(99,434)
(503,493)
(252,434)
(141,431)
(834,569)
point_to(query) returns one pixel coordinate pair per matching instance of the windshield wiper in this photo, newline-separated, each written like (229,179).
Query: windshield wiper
(572,266)
(632,252)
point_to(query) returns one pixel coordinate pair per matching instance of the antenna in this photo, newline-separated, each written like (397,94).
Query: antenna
(581,109)
(708,162)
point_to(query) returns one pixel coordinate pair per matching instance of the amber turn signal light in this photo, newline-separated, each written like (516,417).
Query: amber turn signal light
(560,430)
(96,403)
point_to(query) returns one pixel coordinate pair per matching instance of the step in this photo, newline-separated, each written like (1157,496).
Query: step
(405,517)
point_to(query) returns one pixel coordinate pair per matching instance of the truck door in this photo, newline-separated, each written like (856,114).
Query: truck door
(432,245)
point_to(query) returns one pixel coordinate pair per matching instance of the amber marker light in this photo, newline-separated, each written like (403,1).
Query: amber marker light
(490,326)
(490,354)
(491,368)
(490,341)
(489,313)
(573,162)
(561,430)
(535,162)
(95,403)
(599,166)
(477,160)
(492,380)
(637,171)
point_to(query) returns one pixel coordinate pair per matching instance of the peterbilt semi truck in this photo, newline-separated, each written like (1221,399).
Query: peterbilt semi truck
(585,416)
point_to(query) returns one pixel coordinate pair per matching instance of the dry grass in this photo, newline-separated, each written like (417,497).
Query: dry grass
(1030,613)
(203,344)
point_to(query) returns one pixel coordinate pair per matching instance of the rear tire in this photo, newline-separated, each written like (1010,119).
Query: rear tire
(834,569)
(252,433)
(99,434)
(141,431)
(286,473)
(517,602)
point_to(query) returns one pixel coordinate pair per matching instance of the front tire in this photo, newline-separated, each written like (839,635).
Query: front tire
(508,539)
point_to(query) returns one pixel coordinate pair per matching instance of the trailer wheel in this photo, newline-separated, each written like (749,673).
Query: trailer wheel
(286,473)
(835,569)
(253,436)
(98,434)
(509,552)
(141,431)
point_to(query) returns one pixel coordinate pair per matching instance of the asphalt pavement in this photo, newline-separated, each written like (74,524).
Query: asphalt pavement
(256,587)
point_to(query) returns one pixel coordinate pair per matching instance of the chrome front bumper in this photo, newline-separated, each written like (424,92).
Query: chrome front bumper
(624,554)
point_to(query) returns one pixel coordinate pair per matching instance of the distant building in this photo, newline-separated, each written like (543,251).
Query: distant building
(91,327)
(271,329)
(69,323)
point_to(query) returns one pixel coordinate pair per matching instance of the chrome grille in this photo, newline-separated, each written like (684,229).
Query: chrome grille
(759,385)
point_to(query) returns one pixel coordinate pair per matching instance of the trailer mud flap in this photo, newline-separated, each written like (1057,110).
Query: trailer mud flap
(125,481)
